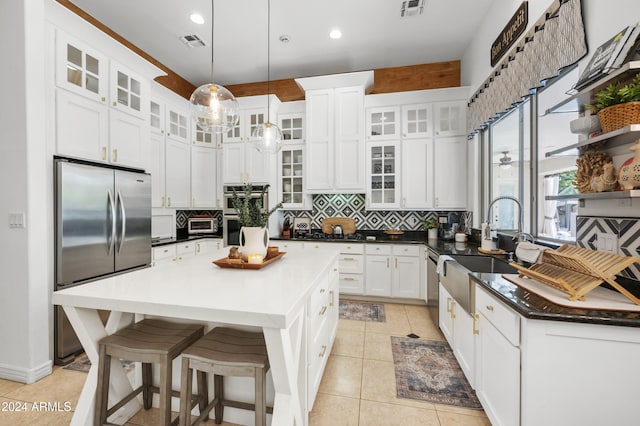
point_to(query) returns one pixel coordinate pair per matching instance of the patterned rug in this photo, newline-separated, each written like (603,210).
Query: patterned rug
(83,364)
(427,370)
(362,311)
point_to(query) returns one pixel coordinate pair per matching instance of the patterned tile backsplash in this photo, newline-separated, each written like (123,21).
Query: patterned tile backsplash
(346,205)
(626,229)
(353,206)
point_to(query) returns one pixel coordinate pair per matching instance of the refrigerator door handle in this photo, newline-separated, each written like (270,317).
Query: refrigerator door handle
(123,221)
(112,211)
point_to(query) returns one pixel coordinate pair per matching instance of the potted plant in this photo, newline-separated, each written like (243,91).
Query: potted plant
(618,105)
(431,225)
(254,235)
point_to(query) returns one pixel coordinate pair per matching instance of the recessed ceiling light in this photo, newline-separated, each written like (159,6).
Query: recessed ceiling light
(196,18)
(335,34)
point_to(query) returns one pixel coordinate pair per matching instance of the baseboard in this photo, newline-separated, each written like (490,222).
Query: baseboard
(382,299)
(24,375)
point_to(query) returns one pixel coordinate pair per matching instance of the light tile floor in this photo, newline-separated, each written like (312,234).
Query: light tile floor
(357,389)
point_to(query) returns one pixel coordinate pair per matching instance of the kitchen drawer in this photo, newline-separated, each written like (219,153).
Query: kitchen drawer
(498,314)
(164,253)
(378,248)
(285,246)
(351,263)
(352,283)
(185,249)
(351,248)
(406,250)
(318,307)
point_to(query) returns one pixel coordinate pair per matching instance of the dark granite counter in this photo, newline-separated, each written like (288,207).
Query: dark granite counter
(527,304)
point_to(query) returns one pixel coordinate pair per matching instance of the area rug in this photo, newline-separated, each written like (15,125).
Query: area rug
(427,370)
(83,364)
(362,311)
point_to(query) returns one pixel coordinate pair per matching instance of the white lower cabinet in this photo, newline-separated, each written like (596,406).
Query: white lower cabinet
(498,360)
(164,254)
(351,267)
(458,328)
(208,246)
(393,270)
(322,325)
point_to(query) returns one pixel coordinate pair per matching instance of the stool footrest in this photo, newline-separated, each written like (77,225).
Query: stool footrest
(243,405)
(124,401)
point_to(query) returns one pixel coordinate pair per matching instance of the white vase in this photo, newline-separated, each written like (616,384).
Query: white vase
(253,240)
(432,233)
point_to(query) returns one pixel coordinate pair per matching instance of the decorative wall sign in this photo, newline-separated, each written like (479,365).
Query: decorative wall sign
(508,36)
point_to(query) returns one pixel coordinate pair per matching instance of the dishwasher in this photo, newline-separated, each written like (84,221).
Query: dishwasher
(432,285)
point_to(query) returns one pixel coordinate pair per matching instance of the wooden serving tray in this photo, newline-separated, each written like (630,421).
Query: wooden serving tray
(224,262)
(348,224)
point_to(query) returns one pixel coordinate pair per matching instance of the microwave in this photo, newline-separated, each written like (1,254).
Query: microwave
(202,225)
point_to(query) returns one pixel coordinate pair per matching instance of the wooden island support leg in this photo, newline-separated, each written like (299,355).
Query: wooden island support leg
(286,357)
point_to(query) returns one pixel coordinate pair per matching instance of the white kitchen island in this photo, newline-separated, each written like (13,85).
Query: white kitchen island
(281,298)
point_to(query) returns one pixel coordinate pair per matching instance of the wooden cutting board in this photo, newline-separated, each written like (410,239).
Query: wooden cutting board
(348,225)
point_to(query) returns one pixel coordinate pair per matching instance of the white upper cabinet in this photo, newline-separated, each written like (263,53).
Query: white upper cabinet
(319,145)
(383,123)
(128,91)
(89,127)
(450,118)
(81,69)
(177,123)
(450,173)
(417,173)
(383,159)
(417,121)
(156,116)
(292,126)
(248,120)
(204,178)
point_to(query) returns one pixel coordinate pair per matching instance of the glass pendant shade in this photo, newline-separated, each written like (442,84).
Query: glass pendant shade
(214,108)
(267,138)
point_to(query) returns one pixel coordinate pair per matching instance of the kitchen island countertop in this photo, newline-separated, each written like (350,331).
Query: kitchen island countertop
(195,289)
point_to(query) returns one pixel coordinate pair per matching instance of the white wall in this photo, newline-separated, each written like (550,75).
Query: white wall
(24,253)
(602,19)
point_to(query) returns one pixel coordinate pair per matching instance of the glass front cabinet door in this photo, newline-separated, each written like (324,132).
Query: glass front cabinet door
(383,186)
(291,177)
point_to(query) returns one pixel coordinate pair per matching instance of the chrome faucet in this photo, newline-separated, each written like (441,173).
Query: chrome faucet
(519,235)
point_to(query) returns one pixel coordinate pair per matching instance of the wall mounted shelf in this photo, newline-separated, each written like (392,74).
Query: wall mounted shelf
(633,193)
(618,137)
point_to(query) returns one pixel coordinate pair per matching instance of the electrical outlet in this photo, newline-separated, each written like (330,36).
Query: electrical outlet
(607,242)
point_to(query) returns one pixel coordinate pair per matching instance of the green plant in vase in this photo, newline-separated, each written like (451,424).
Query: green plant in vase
(431,226)
(618,104)
(249,209)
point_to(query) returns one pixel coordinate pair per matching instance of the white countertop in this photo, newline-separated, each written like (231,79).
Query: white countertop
(195,288)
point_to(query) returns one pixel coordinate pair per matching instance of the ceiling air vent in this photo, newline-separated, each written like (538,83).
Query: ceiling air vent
(412,7)
(192,40)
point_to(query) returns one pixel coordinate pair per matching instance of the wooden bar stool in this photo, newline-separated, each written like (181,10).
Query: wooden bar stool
(149,341)
(225,352)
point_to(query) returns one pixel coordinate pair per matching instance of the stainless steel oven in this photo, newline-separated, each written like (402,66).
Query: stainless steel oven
(255,196)
(230,230)
(433,292)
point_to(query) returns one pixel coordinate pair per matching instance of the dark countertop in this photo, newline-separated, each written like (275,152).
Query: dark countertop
(182,237)
(527,304)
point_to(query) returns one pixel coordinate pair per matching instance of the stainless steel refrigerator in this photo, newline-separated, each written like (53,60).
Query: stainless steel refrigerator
(102,227)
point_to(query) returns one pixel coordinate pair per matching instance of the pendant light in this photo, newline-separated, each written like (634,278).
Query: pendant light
(213,107)
(267,137)
(505,161)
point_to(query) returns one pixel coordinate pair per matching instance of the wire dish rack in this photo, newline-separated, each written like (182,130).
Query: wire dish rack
(576,271)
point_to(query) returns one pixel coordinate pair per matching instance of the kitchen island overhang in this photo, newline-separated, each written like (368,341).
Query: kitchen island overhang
(273,298)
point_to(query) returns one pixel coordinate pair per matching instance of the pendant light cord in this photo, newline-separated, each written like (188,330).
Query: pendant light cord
(212,18)
(268,60)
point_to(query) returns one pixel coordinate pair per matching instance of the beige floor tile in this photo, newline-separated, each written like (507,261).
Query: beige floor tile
(151,416)
(342,376)
(378,346)
(351,325)
(60,386)
(379,384)
(349,343)
(333,410)
(376,413)
(21,413)
(7,386)
(454,419)
(417,312)
(396,323)
(460,410)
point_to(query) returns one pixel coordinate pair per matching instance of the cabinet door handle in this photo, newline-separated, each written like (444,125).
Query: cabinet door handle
(453,309)
(387,262)
(104,153)
(322,352)
(198,248)
(332,302)
(489,308)
(115,155)
(396,259)
(323,310)
(103,99)
(476,318)
(162,201)
(168,201)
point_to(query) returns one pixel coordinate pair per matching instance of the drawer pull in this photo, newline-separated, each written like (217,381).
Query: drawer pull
(323,310)
(348,279)
(476,317)
(322,352)
(453,306)
(490,308)
(449,308)
(332,293)
(348,258)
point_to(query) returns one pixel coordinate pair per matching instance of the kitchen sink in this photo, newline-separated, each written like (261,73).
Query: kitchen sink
(485,264)
(455,276)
